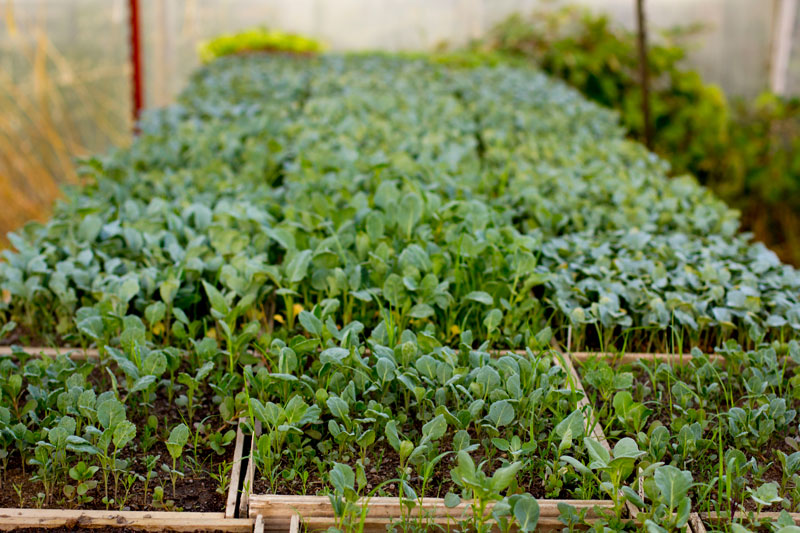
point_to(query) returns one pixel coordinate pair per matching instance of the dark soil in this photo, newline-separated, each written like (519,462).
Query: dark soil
(384,465)
(196,491)
(23,336)
(704,470)
(639,343)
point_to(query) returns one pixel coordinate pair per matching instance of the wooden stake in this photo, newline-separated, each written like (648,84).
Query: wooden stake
(249,472)
(294,524)
(259,527)
(696,524)
(236,473)
(644,72)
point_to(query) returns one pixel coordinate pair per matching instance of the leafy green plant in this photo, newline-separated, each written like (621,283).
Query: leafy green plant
(178,438)
(349,512)
(669,491)
(485,489)
(82,474)
(192,384)
(611,468)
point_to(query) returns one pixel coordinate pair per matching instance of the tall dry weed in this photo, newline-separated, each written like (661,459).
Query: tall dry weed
(56,104)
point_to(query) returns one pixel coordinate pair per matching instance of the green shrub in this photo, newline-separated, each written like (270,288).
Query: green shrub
(257,40)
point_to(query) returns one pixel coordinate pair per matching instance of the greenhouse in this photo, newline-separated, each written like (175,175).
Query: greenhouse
(393,291)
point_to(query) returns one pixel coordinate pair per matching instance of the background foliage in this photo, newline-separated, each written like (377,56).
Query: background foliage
(748,152)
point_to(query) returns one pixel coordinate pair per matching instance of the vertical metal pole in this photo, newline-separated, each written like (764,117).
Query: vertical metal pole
(644,73)
(136,62)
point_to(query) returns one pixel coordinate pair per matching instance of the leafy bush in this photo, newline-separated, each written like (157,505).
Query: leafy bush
(690,117)
(257,40)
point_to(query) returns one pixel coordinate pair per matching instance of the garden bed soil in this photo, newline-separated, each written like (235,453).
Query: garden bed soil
(196,491)
(384,465)
(661,412)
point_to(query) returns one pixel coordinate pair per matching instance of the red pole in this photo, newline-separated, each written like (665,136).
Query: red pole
(136,61)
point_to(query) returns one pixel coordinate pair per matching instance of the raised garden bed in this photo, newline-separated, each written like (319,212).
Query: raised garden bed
(728,422)
(334,282)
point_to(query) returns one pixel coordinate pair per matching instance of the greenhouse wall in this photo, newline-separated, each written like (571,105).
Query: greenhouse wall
(733,50)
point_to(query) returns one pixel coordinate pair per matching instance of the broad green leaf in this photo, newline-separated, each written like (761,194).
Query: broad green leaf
(480,297)
(435,429)
(597,451)
(503,476)
(338,408)
(627,447)
(673,483)
(451,500)
(342,477)
(766,494)
(218,302)
(501,413)
(526,512)
(123,434)
(311,323)
(178,438)
(492,320)
(297,268)
(110,412)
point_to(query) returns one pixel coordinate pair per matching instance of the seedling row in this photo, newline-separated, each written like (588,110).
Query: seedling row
(331,288)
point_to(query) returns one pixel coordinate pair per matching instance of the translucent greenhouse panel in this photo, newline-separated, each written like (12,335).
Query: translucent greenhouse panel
(173,30)
(732,51)
(64,92)
(793,77)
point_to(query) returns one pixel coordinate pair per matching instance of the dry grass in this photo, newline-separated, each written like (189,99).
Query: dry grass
(54,107)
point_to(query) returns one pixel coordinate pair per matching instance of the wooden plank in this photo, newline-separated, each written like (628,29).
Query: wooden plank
(11,519)
(597,428)
(281,507)
(548,524)
(696,524)
(236,473)
(249,473)
(726,517)
(38,351)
